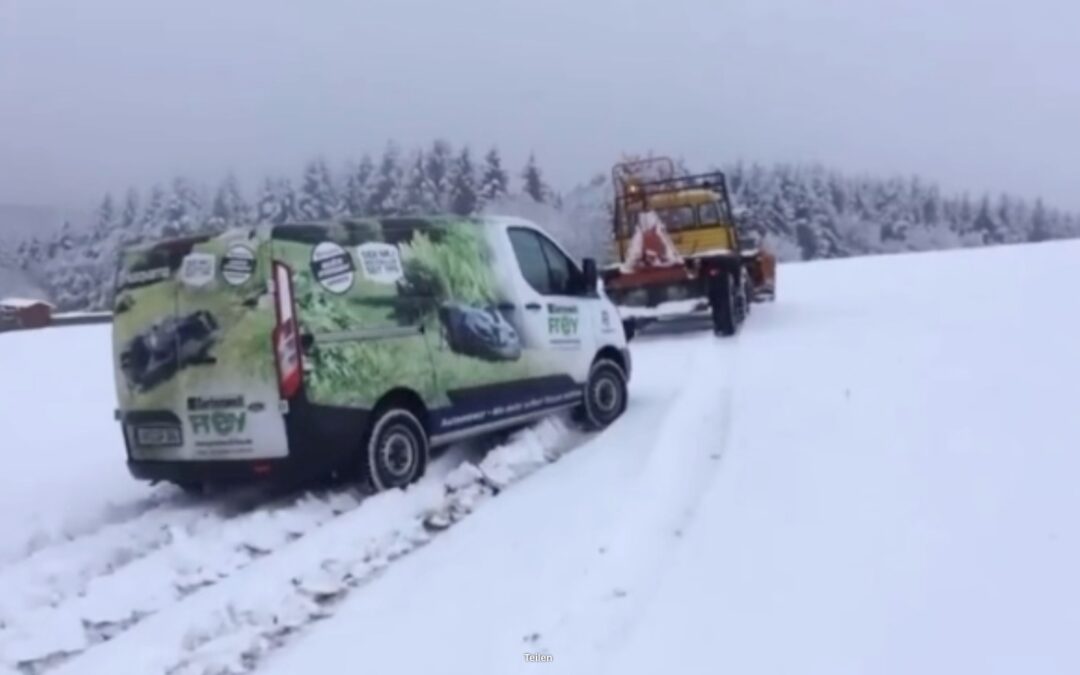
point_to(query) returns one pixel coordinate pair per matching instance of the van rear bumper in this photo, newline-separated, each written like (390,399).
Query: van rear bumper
(320,440)
(217,471)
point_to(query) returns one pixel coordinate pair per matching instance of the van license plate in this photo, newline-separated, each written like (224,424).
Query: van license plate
(158,436)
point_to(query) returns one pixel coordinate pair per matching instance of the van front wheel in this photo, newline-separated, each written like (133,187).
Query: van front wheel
(605,395)
(395,450)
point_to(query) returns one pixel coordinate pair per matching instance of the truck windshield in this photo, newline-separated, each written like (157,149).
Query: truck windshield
(678,218)
(709,214)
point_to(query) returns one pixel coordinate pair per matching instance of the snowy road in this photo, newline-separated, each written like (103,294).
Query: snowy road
(875,477)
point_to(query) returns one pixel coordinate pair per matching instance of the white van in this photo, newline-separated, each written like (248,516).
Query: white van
(354,347)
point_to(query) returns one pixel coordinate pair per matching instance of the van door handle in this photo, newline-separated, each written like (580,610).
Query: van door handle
(534,306)
(506,307)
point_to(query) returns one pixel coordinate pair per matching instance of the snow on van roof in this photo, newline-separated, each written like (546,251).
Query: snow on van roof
(20,303)
(507,221)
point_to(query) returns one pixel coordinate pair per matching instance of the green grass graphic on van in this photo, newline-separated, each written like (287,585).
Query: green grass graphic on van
(418,282)
(458,267)
(165,297)
(411,303)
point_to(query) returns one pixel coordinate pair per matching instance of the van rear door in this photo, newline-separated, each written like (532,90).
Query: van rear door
(192,338)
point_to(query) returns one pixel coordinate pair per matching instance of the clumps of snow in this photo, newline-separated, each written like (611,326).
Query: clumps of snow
(52,574)
(100,587)
(229,627)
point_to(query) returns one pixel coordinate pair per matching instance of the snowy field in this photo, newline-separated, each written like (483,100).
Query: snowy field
(877,476)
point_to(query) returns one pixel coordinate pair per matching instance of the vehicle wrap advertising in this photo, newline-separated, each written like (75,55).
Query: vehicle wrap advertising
(420,304)
(194,370)
(414,303)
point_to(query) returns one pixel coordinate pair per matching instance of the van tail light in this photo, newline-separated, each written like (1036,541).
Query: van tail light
(287,354)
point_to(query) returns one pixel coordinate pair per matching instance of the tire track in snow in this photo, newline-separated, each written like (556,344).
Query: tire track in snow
(99,588)
(111,515)
(231,626)
(53,573)
(683,462)
(63,598)
(193,557)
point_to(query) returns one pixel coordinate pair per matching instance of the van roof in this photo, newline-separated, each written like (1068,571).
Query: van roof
(420,221)
(490,220)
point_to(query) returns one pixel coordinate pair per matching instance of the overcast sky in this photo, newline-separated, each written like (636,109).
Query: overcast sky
(104,94)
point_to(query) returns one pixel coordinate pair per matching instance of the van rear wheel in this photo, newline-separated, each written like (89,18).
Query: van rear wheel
(395,451)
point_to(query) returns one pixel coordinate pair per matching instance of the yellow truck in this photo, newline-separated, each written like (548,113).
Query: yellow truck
(680,251)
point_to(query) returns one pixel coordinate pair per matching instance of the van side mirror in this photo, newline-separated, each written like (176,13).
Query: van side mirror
(590,276)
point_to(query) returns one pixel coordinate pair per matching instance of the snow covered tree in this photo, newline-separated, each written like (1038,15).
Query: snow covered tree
(106,215)
(129,214)
(386,193)
(228,208)
(495,182)
(153,217)
(104,224)
(318,196)
(984,225)
(417,198)
(464,197)
(357,193)
(534,185)
(1040,223)
(183,210)
(437,169)
(277,202)
(67,237)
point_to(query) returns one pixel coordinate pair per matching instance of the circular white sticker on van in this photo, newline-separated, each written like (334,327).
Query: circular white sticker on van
(333,267)
(238,265)
(381,263)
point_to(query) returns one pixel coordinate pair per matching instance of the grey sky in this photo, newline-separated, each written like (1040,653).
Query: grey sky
(100,95)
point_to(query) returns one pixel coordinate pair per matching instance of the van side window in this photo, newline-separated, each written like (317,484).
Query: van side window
(563,280)
(530,256)
(545,267)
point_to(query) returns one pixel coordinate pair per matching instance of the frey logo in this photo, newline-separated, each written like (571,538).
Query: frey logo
(563,323)
(214,416)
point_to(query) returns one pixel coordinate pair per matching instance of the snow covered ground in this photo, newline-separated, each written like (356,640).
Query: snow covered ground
(876,476)
(64,471)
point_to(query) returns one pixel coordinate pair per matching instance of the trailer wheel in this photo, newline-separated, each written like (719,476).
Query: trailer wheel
(605,395)
(723,304)
(395,451)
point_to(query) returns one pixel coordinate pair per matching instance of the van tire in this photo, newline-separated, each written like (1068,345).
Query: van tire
(395,450)
(605,395)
